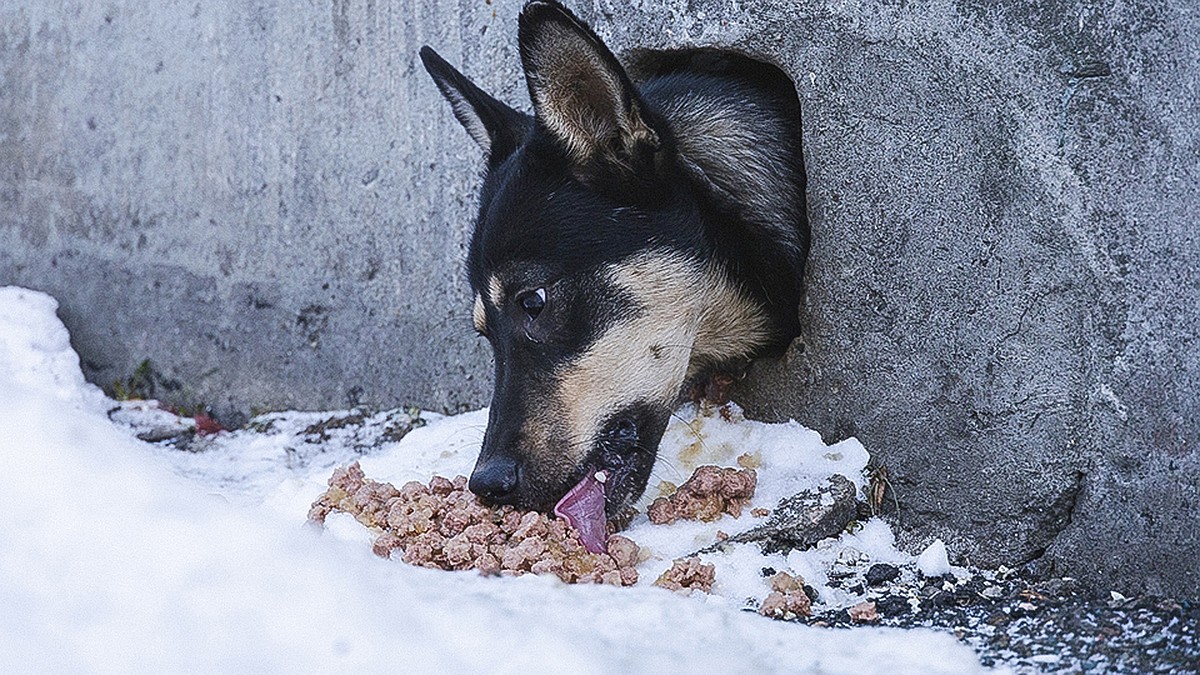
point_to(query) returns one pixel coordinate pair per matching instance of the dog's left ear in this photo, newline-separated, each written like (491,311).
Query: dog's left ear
(580,92)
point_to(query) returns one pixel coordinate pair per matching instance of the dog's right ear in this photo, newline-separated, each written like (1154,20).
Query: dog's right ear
(494,126)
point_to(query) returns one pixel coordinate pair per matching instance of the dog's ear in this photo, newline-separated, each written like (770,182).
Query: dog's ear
(580,92)
(496,127)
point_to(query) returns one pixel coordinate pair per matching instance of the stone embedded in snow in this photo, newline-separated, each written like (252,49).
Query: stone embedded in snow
(882,573)
(934,561)
(802,520)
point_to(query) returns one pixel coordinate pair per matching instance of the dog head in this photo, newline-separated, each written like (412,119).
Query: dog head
(586,269)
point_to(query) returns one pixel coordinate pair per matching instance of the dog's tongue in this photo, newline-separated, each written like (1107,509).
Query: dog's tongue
(583,508)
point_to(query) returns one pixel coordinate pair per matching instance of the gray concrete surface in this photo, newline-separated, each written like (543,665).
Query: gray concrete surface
(270,202)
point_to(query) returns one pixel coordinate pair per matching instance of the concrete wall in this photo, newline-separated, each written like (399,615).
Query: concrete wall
(270,201)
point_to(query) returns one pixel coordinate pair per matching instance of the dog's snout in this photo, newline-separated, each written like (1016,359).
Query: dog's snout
(496,480)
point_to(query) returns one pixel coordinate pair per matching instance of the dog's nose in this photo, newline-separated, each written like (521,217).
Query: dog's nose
(495,480)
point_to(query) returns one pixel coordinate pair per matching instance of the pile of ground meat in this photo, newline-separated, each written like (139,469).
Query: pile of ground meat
(687,574)
(710,492)
(442,525)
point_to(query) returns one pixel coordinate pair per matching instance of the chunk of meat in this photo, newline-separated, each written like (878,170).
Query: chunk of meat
(688,574)
(709,493)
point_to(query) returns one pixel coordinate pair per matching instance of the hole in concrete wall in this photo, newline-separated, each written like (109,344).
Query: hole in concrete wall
(643,64)
(773,86)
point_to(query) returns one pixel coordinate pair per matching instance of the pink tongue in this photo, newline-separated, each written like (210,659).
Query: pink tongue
(583,508)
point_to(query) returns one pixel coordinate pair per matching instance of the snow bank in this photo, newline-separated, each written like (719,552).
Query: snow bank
(110,561)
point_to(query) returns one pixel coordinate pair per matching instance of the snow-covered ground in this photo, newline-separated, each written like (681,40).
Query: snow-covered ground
(118,555)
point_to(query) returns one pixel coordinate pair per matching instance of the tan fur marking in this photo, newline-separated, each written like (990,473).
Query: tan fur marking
(731,326)
(478,315)
(690,317)
(495,291)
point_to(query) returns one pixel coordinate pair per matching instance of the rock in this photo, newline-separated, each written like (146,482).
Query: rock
(893,605)
(882,573)
(802,520)
(163,433)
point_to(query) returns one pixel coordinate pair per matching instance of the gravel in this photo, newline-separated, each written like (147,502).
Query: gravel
(1035,626)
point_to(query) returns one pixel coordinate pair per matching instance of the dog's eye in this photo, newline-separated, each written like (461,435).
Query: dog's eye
(533,302)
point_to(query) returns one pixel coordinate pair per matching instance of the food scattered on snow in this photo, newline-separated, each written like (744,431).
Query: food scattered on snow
(788,599)
(688,574)
(745,465)
(709,493)
(442,525)
(863,612)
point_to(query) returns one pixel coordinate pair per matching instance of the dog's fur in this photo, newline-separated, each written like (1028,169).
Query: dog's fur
(629,240)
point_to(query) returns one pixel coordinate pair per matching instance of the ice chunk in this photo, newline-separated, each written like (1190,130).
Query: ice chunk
(934,561)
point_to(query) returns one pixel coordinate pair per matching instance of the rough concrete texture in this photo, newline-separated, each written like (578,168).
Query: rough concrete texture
(270,201)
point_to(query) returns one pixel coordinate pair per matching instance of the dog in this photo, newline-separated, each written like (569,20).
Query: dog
(631,239)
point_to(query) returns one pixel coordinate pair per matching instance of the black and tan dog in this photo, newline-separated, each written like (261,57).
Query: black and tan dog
(630,239)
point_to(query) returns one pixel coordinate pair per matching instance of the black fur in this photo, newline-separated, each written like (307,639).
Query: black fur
(604,171)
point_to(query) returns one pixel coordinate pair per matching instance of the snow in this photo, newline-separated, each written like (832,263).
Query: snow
(118,555)
(934,561)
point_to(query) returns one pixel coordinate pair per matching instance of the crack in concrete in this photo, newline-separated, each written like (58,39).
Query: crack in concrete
(1060,514)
